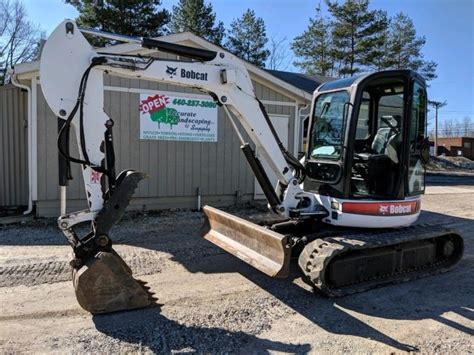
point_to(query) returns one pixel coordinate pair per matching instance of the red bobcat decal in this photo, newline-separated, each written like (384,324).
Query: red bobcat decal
(382,209)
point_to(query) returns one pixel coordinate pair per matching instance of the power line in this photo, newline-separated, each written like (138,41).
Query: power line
(457,111)
(458,131)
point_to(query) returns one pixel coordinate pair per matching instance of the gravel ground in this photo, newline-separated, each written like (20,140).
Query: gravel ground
(211,302)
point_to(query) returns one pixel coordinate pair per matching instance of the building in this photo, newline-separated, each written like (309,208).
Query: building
(456,146)
(178,171)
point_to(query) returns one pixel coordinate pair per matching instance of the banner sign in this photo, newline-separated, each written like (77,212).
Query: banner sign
(175,118)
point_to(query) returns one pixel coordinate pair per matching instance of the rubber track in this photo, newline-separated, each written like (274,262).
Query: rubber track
(316,256)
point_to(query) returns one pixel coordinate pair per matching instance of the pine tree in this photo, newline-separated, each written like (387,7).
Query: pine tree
(140,18)
(357,35)
(197,17)
(314,47)
(247,38)
(381,51)
(403,49)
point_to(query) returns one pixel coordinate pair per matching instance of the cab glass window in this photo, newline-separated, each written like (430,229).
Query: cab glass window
(362,131)
(416,168)
(418,117)
(327,136)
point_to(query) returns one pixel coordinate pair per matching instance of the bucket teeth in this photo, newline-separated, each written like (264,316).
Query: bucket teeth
(143,284)
(151,295)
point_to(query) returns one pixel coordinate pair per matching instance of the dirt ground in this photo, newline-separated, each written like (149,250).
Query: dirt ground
(212,302)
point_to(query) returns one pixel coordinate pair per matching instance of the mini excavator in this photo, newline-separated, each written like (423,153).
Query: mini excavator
(346,209)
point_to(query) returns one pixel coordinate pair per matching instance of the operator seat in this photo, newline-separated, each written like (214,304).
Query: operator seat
(378,164)
(387,139)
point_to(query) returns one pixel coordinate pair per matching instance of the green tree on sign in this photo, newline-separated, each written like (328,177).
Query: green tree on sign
(165,115)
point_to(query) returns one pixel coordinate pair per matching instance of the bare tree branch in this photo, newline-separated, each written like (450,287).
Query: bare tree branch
(18,36)
(280,56)
(467,127)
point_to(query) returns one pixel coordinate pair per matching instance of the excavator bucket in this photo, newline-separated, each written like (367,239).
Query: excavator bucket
(105,284)
(260,247)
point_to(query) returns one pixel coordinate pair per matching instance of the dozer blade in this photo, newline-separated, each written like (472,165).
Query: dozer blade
(260,247)
(105,284)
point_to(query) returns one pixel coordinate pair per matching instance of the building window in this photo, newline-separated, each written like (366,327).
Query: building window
(467,145)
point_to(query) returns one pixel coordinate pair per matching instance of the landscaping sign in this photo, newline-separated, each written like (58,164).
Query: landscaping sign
(174,118)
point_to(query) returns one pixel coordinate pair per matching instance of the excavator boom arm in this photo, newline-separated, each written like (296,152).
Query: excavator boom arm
(67,56)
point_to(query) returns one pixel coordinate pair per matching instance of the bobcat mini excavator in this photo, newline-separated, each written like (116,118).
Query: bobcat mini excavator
(345,209)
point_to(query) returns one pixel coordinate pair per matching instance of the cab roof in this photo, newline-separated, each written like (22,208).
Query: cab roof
(354,80)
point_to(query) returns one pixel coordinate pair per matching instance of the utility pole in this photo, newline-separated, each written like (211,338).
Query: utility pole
(437,105)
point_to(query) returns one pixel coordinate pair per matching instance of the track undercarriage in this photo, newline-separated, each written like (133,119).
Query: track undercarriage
(337,261)
(349,262)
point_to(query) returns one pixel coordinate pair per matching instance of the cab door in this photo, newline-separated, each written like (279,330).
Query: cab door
(417,140)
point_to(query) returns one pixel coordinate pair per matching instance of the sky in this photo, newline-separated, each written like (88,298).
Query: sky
(448,26)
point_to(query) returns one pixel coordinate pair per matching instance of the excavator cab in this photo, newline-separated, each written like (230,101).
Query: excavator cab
(367,137)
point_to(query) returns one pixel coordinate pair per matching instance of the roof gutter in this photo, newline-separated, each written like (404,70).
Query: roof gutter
(29,110)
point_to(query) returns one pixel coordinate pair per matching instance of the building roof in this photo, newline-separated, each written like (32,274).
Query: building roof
(449,141)
(301,81)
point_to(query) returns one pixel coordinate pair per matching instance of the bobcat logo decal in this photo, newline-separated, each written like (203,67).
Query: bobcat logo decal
(383,209)
(171,71)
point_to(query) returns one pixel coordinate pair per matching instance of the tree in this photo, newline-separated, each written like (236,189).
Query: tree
(197,17)
(467,127)
(140,18)
(314,47)
(358,34)
(381,52)
(403,48)
(247,38)
(18,37)
(449,128)
(279,56)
